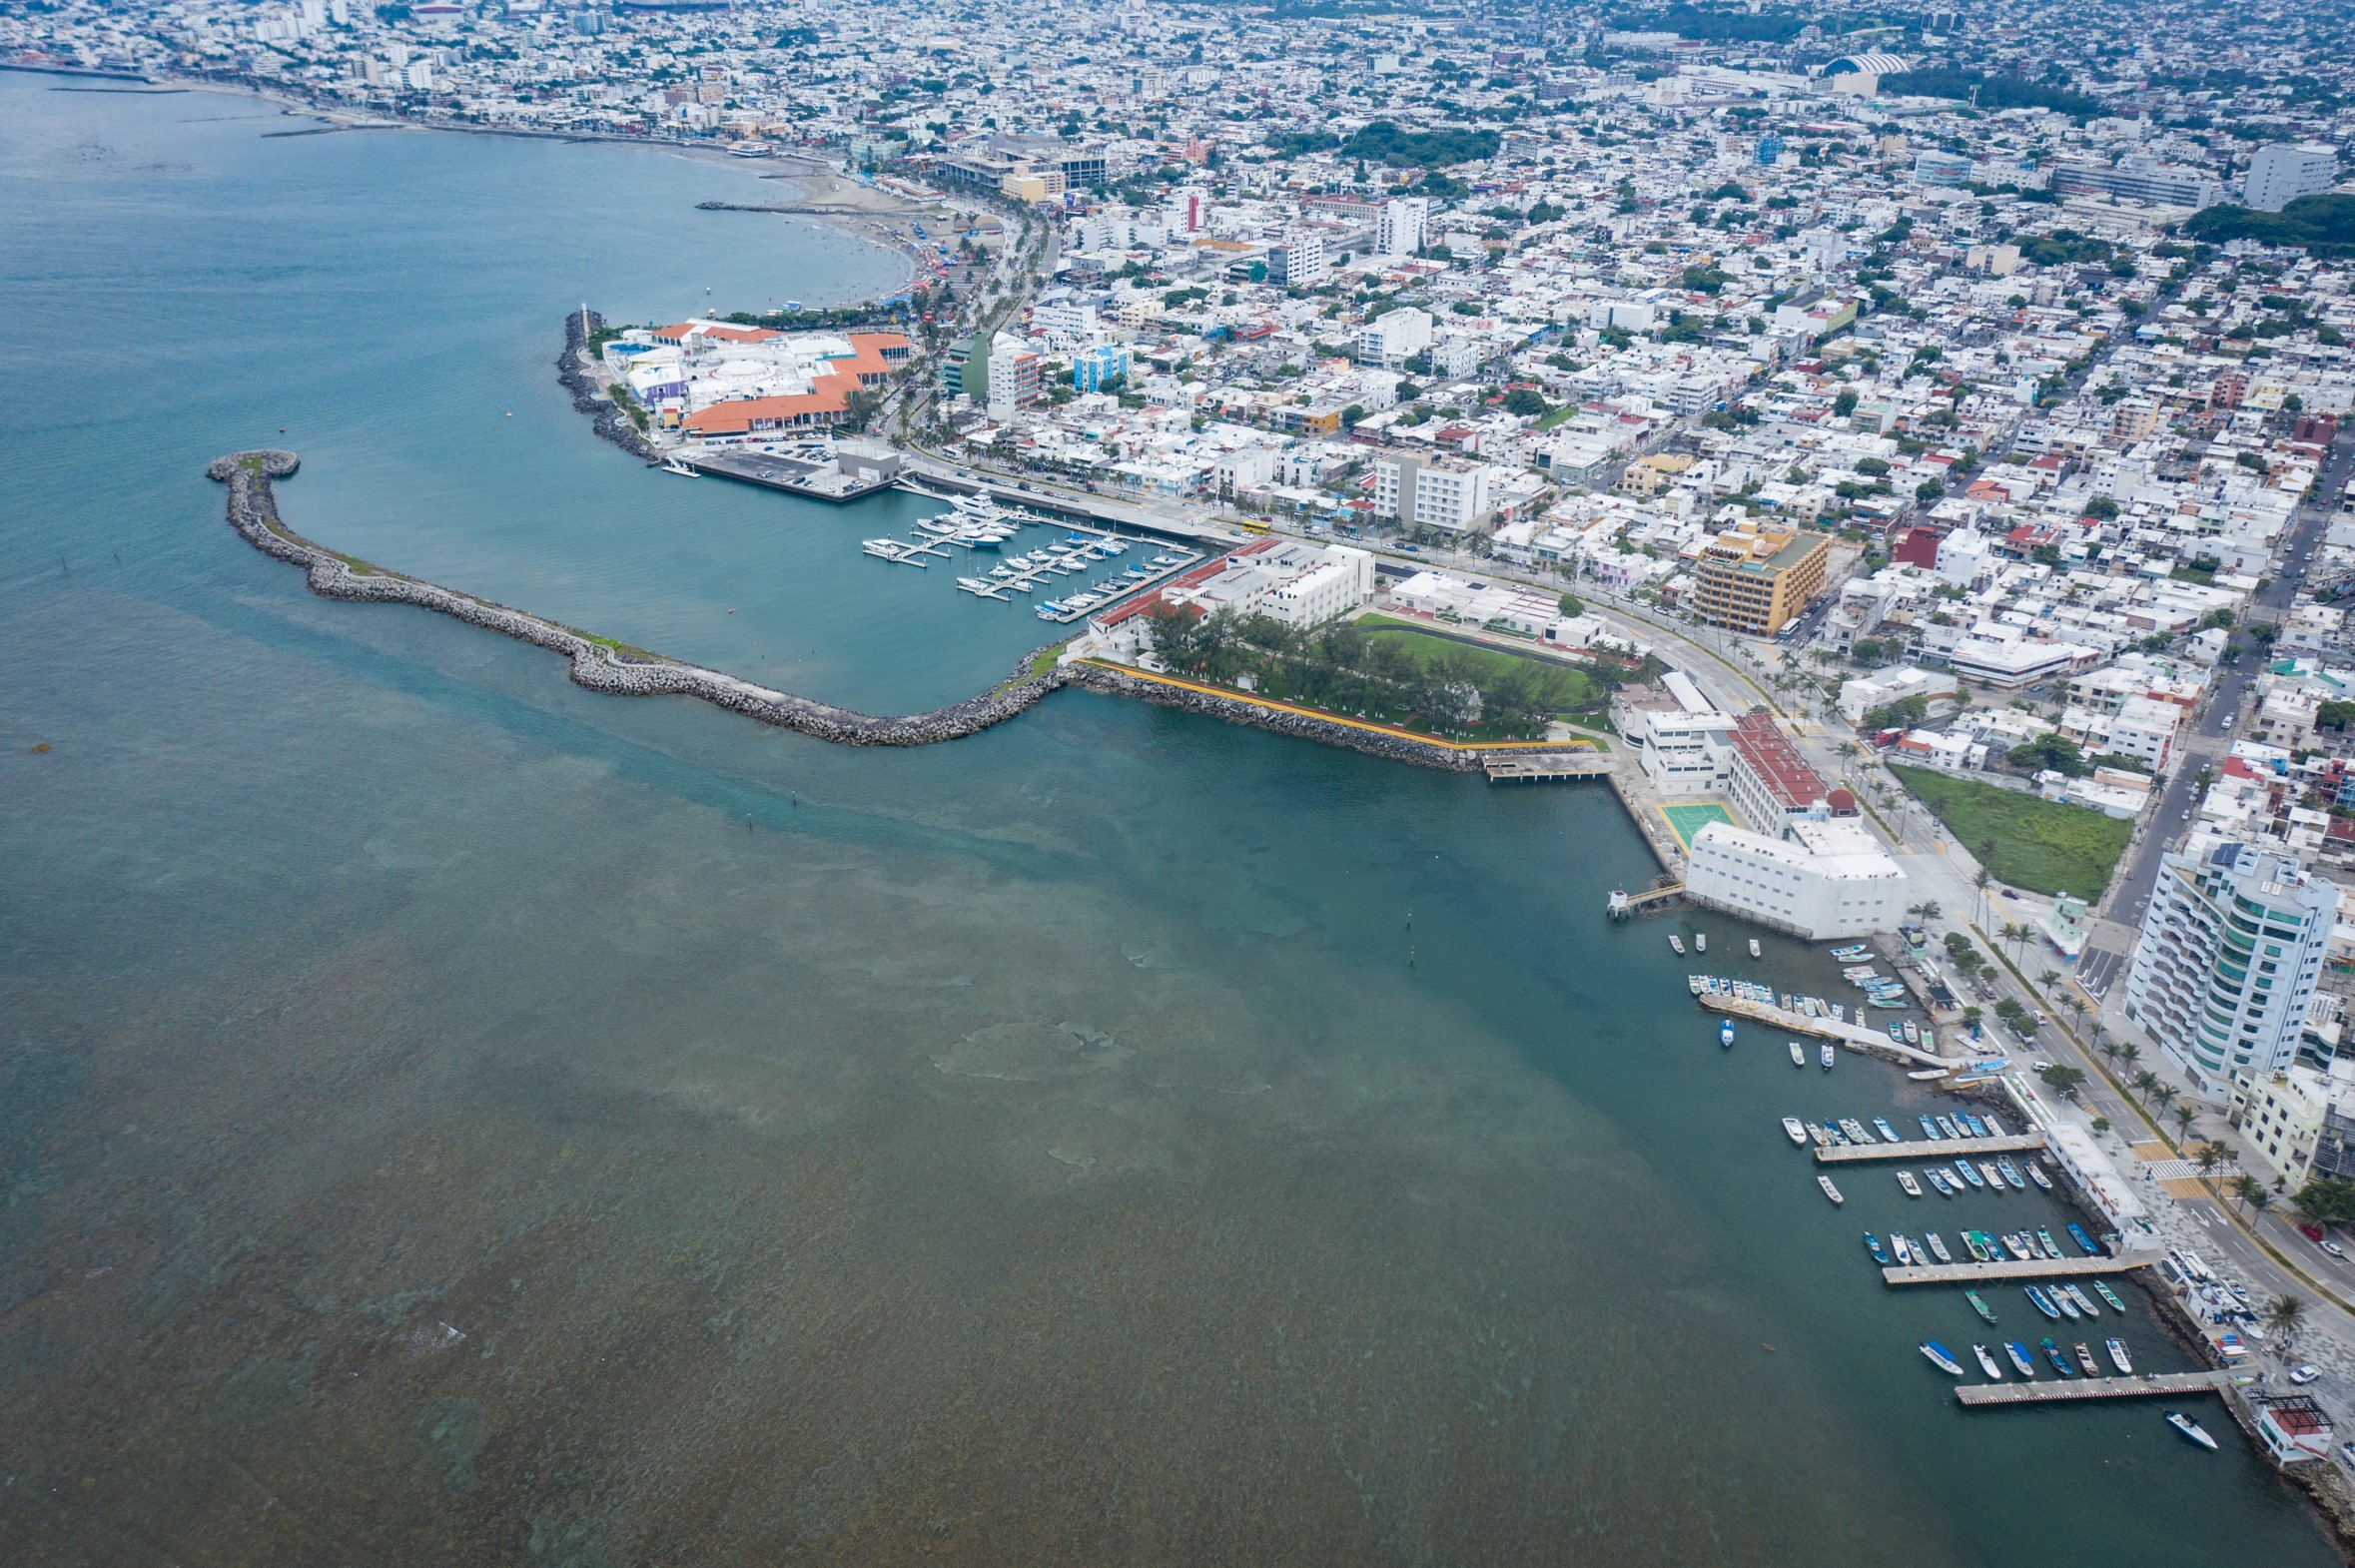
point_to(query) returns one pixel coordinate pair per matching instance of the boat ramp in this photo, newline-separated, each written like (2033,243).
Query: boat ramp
(2149,1385)
(1929,1149)
(2009,1268)
(1856,1037)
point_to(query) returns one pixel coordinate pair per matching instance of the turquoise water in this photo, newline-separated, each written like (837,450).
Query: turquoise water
(451,1116)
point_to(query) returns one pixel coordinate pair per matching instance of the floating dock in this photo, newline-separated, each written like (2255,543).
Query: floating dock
(2151,1385)
(1927,1148)
(1548,767)
(2009,1268)
(1855,1035)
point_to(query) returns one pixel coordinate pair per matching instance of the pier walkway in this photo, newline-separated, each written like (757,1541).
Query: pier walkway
(2149,1385)
(1549,767)
(1927,1148)
(2009,1268)
(1856,1037)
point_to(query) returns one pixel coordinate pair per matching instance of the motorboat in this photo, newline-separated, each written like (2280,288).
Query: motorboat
(1853,953)
(2020,1251)
(1937,1248)
(1969,1175)
(1855,1130)
(1901,1247)
(1948,1129)
(1913,1032)
(1939,1180)
(2085,1361)
(2066,1303)
(2035,1173)
(2042,1303)
(2022,1361)
(1888,1132)
(1929,1128)
(1941,1357)
(2118,1357)
(2076,1233)
(2046,1242)
(2084,1302)
(1825,1056)
(1798,1053)
(1823,1138)
(1724,1034)
(2109,1295)
(1755,950)
(1994,1177)
(1874,1246)
(1906,1181)
(1970,1123)
(1677,942)
(1979,1305)
(1829,1190)
(1700,942)
(1975,1244)
(1897,1031)
(2053,1355)
(680,468)
(1994,1127)
(2191,1430)
(2012,1174)
(1987,1363)
(1797,1128)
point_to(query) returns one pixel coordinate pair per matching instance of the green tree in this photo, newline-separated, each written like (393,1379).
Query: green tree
(2284,1316)
(2064,1081)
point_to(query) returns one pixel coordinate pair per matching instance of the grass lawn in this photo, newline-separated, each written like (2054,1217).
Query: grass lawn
(1563,687)
(2040,845)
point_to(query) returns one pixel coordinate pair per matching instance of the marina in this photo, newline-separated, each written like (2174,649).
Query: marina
(1922,1148)
(2010,1268)
(1853,1035)
(2149,1385)
(976,525)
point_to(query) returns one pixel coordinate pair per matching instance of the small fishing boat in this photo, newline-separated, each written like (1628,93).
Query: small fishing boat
(1941,1357)
(2066,1303)
(2042,1303)
(2053,1355)
(2117,1356)
(1948,1129)
(2020,1251)
(1677,942)
(1969,1175)
(1987,1363)
(2076,1233)
(1855,1130)
(2035,1173)
(2044,1241)
(1976,1242)
(1888,1132)
(1913,1032)
(1825,1056)
(1798,1053)
(1821,1136)
(2084,1302)
(1795,1128)
(1829,1190)
(1874,1246)
(1700,942)
(1939,1180)
(1754,948)
(1907,1184)
(1724,1034)
(2012,1174)
(1853,953)
(1903,1249)
(1929,1128)
(1897,1031)
(1994,1177)
(2191,1430)
(1937,1248)
(2022,1361)
(1979,1304)
(2085,1361)
(1970,1123)
(1995,1127)
(2109,1295)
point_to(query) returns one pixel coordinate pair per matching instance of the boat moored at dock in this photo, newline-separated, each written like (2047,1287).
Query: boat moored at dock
(1941,1357)
(1795,1128)
(2191,1430)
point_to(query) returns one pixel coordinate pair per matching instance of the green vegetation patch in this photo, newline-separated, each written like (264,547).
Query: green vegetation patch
(2324,225)
(1994,91)
(2024,840)
(1384,141)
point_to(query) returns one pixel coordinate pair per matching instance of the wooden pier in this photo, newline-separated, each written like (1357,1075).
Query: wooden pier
(1548,767)
(2009,1268)
(2149,1385)
(1856,1037)
(1929,1149)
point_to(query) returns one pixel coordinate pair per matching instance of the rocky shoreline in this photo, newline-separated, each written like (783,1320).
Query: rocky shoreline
(599,664)
(605,416)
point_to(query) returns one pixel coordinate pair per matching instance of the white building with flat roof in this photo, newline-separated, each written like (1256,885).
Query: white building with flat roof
(1335,585)
(1827,879)
(2283,172)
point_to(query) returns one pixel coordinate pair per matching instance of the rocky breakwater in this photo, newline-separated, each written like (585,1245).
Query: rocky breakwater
(599,663)
(1308,726)
(576,368)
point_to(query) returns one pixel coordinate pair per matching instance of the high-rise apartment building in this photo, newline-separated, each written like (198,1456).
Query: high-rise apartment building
(2283,172)
(2231,947)
(1400,229)
(1755,577)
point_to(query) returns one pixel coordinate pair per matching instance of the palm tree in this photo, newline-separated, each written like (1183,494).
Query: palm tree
(2207,1156)
(2163,1095)
(2144,1082)
(2184,1117)
(2256,1196)
(1980,880)
(2247,1188)
(2129,1053)
(2284,1315)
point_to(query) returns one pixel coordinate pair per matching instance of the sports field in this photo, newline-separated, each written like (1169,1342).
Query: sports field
(1685,821)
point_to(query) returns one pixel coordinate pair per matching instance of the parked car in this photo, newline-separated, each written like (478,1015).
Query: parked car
(2333,1248)
(2303,1375)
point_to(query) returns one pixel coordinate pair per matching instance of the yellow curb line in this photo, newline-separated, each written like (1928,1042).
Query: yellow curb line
(1393,732)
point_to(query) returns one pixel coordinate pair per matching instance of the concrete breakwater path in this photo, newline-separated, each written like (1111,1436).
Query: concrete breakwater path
(599,663)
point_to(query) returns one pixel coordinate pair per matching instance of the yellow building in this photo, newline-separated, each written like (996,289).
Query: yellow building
(1649,475)
(1756,576)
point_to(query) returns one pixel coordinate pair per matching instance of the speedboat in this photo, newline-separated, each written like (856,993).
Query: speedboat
(1979,1304)
(2109,1295)
(1939,1180)
(2085,1361)
(1829,1190)
(1798,1053)
(2021,1362)
(2035,1173)
(2020,1251)
(1941,1357)
(678,467)
(1987,1363)
(1825,1056)
(1874,1246)
(1907,1183)
(1937,1248)
(2117,1356)
(2191,1430)
(1676,942)
(1699,940)
(2059,1361)
(1969,1175)
(1797,1128)
(1913,1032)
(2042,1303)
(1929,1128)
(2076,1233)
(1888,1132)
(1724,1034)
(1754,948)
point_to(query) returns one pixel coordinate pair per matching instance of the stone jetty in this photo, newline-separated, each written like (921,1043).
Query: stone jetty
(575,367)
(598,663)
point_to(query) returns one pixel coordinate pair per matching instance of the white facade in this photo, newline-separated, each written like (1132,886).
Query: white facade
(2282,173)
(1829,879)
(2231,946)
(1393,338)
(1399,229)
(1341,582)
(1299,261)
(1434,494)
(1678,736)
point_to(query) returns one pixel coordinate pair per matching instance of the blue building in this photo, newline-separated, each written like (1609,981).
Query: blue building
(1092,367)
(1769,148)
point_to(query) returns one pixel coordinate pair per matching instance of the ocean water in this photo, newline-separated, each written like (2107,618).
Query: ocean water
(448,1115)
